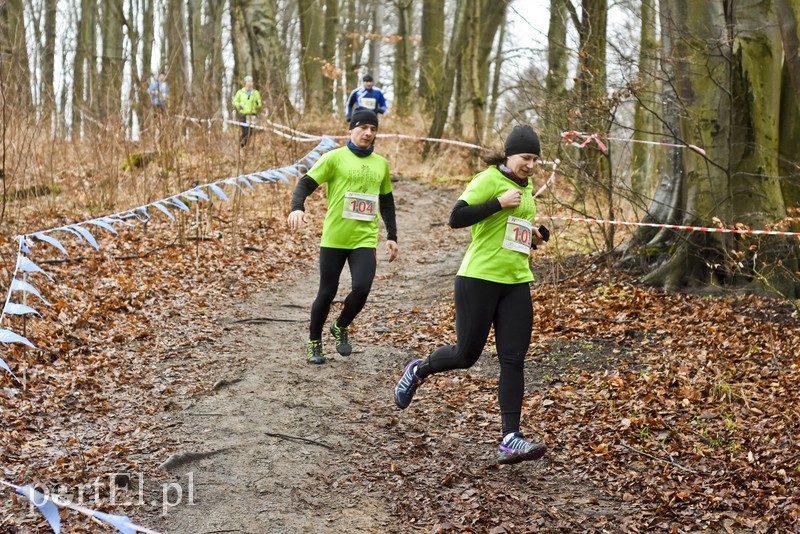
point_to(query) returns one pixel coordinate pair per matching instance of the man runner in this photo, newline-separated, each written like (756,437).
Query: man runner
(358,188)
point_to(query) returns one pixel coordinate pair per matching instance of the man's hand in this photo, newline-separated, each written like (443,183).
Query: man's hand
(510,199)
(297,219)
(391,248)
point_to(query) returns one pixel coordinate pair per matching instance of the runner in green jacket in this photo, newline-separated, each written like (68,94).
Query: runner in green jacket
(358,188)
(492,286)
(247,102)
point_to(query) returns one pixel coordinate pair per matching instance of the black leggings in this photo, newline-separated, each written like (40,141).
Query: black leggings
(362,263)
(479,304)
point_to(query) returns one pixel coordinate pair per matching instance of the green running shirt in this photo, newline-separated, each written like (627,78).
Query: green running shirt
(486,258)
(344,172)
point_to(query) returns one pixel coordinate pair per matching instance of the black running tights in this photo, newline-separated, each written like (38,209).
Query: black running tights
(362,263)
(479,305)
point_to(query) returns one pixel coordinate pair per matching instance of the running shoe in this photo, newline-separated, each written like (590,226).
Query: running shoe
(342,342)
(514,449)
(409,382)
(314,352)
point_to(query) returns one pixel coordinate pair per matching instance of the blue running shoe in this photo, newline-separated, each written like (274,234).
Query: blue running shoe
(409,382)
(314,352)
(514,449)
(342,342)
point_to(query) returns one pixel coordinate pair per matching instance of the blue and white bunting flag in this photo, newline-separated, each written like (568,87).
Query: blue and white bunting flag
(120,522)
(46,506)
(22,285)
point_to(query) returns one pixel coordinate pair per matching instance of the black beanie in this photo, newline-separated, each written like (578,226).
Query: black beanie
(363,116)
(522,140)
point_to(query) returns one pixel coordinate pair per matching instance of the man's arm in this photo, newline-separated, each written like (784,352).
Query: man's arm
(387,209)
(351,101)
(381,102)
(305,186)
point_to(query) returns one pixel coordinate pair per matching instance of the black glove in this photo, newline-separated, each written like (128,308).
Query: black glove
(545,233)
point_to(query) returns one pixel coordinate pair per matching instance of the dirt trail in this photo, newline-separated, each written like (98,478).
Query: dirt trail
(284,434)
(281,428)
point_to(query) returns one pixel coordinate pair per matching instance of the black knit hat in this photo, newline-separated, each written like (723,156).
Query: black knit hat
(522,140)
(367,78)
(363,116)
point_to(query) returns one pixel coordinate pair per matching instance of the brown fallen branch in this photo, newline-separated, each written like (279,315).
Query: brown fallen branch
(120,258)
(264,320)
(298,438)
(656,458)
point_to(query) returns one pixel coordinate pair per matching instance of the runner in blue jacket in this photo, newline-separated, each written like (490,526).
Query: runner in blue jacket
(366,97)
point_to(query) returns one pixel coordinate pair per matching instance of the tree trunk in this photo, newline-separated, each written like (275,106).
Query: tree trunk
(14,64)
(134,92)
(431,65)
(113,59)
(177,75)
(199,50)
(556,81)
(329,71)
(594,111)
(472,69)
(403,72)
(374,60)
(49,55)
(452,59)
(646,162)
(665,206)
(82,64)
(789,161)
(148,36)
(728,67)
(498,68)
(311,27)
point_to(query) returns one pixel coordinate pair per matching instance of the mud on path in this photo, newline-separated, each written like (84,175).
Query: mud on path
(280,445)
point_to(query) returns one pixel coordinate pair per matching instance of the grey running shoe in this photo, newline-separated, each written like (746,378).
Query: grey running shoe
(409,382)
(314,352)
(515,449)
(342,341)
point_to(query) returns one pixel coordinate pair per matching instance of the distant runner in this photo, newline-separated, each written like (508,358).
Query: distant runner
(366,97)
(492,286)
(248,103)
(358,188)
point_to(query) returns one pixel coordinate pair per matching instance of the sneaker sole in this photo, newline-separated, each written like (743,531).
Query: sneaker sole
(315,361)
(533,454)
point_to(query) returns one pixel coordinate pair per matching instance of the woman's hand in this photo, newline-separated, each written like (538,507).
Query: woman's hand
(296,219)
(510,199)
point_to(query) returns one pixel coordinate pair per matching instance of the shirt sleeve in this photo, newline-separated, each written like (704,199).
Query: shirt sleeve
(464,215)
(478,191)
(322,171)
(386,184)
(304,187)
(387,209)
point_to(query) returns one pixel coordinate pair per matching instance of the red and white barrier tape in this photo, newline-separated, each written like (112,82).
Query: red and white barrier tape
(581,139)
(676,226)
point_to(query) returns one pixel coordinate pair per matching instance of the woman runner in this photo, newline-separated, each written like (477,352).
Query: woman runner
(492,286)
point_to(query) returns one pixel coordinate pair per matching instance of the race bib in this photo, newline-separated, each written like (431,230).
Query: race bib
(367,102)
(518,235)
(360,206)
